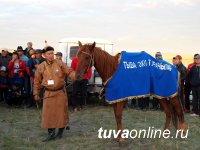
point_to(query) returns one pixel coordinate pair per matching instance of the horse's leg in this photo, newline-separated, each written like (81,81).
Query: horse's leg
(176,104)
(116,119)
(118,108)
(167,111)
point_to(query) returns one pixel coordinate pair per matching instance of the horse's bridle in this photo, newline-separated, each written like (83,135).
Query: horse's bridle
(91,59)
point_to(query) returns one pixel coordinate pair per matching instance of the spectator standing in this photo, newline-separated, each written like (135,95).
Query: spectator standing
(3,84)
(28,48)
(38,56)
(16,70)
(59,56)
(194,79)
(174,61)
(188,89)
(4,58)
(79,86)
(27,86)
(32,68)
(182,70)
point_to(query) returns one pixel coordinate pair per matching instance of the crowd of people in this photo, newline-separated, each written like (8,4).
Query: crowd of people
(17,73)
(189,83)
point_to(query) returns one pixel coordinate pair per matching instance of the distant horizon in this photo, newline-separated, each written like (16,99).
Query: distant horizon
(170,26)
(167,56)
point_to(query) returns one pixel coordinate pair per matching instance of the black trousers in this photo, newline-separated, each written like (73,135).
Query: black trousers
(79,87)
(143,103)
(187,91)
(181,96)
(27,87)
(196,99)
(155,103)
(3,94)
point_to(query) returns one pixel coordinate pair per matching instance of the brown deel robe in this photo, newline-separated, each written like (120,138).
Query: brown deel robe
(55,102)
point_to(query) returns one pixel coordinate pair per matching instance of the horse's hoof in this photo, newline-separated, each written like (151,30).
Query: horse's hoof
(121,140)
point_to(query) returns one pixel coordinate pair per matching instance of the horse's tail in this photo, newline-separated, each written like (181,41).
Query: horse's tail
(172,108)
(174,115)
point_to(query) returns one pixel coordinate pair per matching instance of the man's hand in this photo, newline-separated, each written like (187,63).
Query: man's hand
(36,65)
(37,98)
(13,59)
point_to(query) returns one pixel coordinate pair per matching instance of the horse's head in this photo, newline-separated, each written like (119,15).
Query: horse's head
(85,59)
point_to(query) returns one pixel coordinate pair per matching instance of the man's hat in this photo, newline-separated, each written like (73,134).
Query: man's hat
(48,48)
(38,51)
(197,56)
(19,48)
(158,55)
(4,49)
(58,54)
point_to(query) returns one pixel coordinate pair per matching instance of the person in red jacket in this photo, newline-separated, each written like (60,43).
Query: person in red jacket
(16,70)
(79,86)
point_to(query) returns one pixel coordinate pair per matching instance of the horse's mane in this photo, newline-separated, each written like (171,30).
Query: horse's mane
(105,63)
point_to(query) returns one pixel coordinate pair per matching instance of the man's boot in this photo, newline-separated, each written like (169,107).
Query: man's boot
(60,133)
(51,135)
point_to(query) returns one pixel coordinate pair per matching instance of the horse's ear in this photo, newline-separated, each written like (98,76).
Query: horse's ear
(80,44)
(93,45)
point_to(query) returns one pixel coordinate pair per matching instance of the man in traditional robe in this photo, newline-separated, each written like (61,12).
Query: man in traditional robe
(51,74)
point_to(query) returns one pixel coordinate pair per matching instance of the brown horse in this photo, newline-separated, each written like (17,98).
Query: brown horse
(106,65)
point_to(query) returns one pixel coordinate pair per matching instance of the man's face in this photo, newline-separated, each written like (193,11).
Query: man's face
(178,61)
(174,61)
(4,53)
(49,55)
(38,55)
(31,52)
(58,57)
(29,46)
(197,60)
(20,53)
(14,57)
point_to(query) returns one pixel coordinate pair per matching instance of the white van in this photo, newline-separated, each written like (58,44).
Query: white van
(69,48)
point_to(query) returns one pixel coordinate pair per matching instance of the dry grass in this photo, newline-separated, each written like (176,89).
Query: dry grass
(20,129)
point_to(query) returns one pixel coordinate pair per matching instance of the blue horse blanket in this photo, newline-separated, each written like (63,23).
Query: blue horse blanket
(140,75)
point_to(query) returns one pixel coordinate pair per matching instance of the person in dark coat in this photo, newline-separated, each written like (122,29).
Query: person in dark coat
(28,48)
(16,94)
(194,79)
(3,84)
(39,57)
(187,88)
(4,58)
(183,73)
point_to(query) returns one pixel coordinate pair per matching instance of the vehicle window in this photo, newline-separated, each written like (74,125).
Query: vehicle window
(73,51)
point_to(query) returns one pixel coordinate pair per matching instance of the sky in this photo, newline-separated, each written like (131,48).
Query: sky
(169,26)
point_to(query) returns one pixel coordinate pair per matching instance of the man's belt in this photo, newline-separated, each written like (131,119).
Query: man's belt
(46,89)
